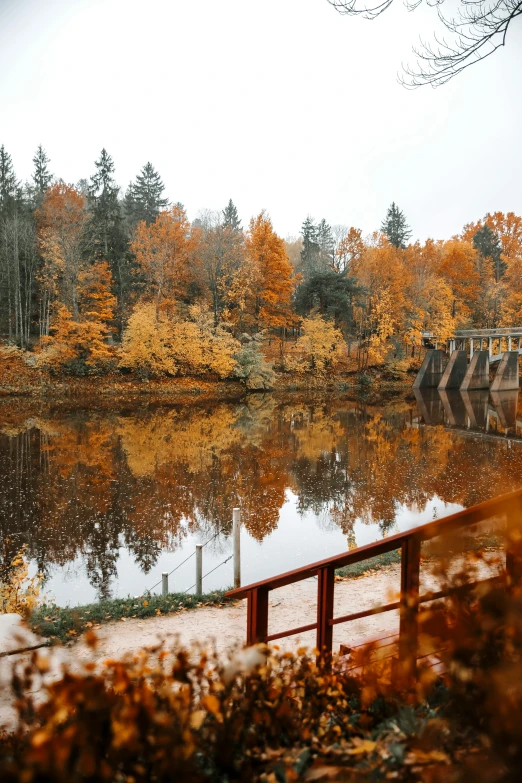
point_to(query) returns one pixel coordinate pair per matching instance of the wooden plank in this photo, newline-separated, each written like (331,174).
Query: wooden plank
(282,634)
(408,627)
(257,616)
(325,608)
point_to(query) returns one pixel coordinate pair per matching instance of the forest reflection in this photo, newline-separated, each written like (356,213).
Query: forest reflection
(85,482)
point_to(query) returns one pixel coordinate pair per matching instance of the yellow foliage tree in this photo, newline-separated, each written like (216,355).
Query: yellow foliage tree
(320,344)
(458,267)
(383,271)
(156,344)
(146,344)
(382,327)
(199,347)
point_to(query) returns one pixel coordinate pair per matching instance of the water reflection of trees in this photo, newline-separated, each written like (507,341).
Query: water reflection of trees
(86,484)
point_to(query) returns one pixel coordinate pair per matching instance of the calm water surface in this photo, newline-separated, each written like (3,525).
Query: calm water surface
(105,501)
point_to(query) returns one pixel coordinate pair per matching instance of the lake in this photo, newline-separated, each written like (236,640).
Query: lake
(105,499)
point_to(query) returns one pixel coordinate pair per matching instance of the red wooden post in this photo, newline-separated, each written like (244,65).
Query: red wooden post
(257,615)
(408,630)
(325,606)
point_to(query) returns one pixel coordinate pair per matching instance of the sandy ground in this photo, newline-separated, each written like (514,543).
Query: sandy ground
(225,627)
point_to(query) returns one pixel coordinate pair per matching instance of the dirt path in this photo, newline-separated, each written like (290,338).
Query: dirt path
(289,607)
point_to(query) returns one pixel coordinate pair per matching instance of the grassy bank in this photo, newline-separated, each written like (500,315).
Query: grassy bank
(372,564)
(465,543)
(65,623)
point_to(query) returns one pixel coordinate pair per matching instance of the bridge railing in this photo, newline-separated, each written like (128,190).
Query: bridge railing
(504,332)
(257,594)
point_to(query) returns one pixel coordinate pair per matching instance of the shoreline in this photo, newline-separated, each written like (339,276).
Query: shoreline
(192,389)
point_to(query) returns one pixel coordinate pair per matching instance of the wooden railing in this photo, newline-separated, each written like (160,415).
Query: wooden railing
(507,507)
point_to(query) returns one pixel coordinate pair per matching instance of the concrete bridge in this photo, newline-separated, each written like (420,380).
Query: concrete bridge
(466,363)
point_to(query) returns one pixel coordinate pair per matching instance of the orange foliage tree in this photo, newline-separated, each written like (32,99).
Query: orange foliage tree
(82,344)
(271,283)
(164,251)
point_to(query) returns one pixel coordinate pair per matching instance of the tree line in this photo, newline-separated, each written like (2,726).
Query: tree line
(92,278)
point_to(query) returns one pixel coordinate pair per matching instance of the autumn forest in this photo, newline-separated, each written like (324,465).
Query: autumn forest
(97,280)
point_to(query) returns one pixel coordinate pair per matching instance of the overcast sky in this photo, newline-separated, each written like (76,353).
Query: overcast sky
(277,104)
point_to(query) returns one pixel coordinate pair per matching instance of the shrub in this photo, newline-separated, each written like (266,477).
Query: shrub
(19,593)
(252,366)
(156,345)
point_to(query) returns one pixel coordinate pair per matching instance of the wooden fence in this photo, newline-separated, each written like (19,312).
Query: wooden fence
(505,507)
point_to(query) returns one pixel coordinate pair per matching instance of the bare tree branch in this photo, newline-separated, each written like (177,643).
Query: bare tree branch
(476,30)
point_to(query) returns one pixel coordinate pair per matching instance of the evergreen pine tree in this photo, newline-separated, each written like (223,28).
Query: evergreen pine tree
(9,185)
(42,177)
(395,227)
(17,255)
(106,234)
(326,244)
(488,244)
(231,217)
(310,251)
(144,198)
(105,227)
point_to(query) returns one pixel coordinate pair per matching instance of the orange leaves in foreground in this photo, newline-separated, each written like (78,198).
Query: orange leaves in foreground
(264,715)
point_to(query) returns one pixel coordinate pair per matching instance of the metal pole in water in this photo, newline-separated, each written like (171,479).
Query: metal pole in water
(199,570)
(236,536)
(164,584)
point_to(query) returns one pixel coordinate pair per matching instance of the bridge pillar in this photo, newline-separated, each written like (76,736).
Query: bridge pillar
(507,375)
(477,408)
(470,348)
(454,407)
(431,370)
(490,347)
(477,374)
(510,343)
(505,404)
(455,371)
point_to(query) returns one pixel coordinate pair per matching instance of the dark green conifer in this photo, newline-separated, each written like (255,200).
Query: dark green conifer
(231,217)
(9,185)
(105,225)
(42,177)
(395,227)
(310,251)
(488,244)
(144,198)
